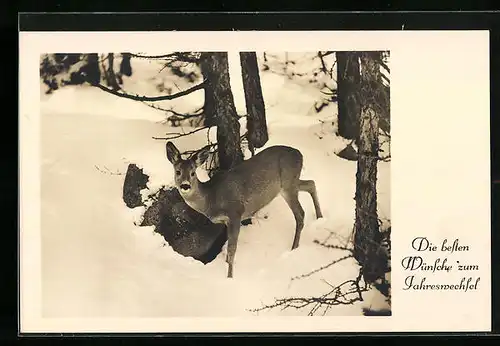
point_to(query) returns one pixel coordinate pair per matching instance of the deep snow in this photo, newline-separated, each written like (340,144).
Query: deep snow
(96,262)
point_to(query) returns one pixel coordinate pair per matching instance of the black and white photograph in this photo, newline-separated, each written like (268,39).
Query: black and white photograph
(249,181)
(215,183)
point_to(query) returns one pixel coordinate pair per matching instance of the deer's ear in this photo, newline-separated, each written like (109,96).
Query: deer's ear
(201,156)
(173,154)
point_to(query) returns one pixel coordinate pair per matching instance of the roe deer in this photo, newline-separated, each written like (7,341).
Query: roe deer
(236,194)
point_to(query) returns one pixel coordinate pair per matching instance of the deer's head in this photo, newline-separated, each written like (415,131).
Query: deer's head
(185,177)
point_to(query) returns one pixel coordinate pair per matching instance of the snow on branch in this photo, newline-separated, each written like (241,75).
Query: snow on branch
(179,56)
(151,98)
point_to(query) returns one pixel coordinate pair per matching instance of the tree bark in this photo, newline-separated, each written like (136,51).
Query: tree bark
(91,69)
(125,66)
(348,79)
(220,103)
(111,77)
(209,105)
(367,236)
(256,114)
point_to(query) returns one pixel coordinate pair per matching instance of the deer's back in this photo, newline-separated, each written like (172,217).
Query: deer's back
(257,181)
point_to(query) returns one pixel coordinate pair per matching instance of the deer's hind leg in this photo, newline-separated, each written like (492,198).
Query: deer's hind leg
(310,186)
(233,230)
(291,196)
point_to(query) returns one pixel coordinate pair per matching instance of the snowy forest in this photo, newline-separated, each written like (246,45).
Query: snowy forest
(120,239)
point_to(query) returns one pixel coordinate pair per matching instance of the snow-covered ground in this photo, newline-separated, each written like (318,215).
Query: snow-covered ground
(97,263)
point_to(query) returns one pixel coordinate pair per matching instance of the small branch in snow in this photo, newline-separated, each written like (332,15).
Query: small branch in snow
(322,268)
(182,116)
(326,54)
(108,171)
(211,146)
(331,246)
(151,98)
(323,64)
(174,135)
(176,115)
(338,295)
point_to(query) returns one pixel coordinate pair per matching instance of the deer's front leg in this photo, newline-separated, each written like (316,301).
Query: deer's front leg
(233,231)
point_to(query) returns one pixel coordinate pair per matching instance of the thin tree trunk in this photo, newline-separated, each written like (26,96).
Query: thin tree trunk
(367,236)
(111,78)
(256,114)
(209,105)
(265,65)
(215,69)
(209,113)
(348,79)
(91,69)
(125,66)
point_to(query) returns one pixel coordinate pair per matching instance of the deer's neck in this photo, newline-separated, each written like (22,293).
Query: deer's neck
(198,199)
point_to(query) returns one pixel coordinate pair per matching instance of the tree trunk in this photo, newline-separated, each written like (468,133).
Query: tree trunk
(91,69)
(125,67)
(256,114)
(348,79)
(220,100)
(111,77)
(209,105)
(367,236)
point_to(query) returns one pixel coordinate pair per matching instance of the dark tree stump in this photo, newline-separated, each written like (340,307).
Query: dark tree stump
(135,181)
(188,232)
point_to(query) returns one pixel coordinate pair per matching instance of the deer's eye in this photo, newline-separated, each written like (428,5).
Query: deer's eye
(192,174)
(178,172)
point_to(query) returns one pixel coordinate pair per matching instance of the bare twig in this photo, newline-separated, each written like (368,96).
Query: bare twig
(322,268)
(336,296)
(174,135)
(326,54)
(184,57)
(183,116)
(162,56)
(107,171)
(323,64)
(331,246)
(176,115)
(149,98)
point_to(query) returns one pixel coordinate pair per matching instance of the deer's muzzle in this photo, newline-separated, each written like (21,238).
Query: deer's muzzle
(185,186)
